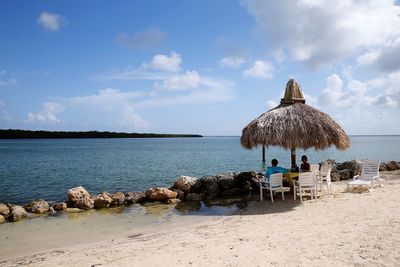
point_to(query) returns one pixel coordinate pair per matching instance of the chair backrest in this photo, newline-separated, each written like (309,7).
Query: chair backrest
(306,179)
(328,176)
(324,168)
(275,180)
(370,168)
(314,168)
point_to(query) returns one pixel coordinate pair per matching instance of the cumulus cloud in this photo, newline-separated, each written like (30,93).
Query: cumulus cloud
(190,79)
(231,62)
(260,69)
(165,63)
(4,80)
(384,59)
(6,116)
(142,40)
(51,21)
(323,32)
(46,115)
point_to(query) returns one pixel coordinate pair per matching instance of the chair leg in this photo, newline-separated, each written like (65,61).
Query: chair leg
(261,192)
(294,192)
(301,194)
(272,195)
(283,195)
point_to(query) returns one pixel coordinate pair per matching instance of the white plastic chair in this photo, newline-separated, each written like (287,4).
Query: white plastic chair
(326,179)
(369,174)
(315,169)
(305,183)
(273,183)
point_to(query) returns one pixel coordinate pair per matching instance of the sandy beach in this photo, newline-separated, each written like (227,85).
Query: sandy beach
(347,229)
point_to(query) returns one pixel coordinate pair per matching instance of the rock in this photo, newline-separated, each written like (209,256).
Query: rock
(231,192)
(73,210)
(251,177)
(60,206)
(173,201)
(246,187)
(226,181)
(344,174)
(335,177)
(160,194)
(392,166)
(51,210)
(134,197)
(38,206)
(193,197)
(80,198)
(17,213)
(210,186)
(2,219)
(118,198)
(382,167)
(187,184)
(103,200)
(4,210)
(353,168)
(181,194)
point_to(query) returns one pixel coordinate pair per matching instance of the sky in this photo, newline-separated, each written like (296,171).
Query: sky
(201,66)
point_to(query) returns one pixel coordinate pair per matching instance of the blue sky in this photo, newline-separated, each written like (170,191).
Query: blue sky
(206,67)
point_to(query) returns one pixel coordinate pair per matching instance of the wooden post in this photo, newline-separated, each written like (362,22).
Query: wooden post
(293,157)
(263,153)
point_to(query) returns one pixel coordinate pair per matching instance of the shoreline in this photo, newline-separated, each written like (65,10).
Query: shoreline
(345,229)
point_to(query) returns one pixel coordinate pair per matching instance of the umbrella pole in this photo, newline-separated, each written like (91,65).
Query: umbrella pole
(263,153)
(293,158)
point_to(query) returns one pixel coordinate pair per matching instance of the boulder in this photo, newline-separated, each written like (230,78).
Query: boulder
(2,219)
(392,166)
(345,174)
(187,184)
(181,194)
(252,177)
(38,206)
(80,198)
(232,192)
(335,176)
(51,210)
(160,194)
(173,201)
(17,213)
(102,200)
(210,186)
(60,206)
(4,210)
(226,181)
(134,197)
(118,198)
(193,197)
(382,167)
(353,167)
(73,210)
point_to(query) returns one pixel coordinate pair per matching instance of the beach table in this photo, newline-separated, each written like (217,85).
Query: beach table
(290,176)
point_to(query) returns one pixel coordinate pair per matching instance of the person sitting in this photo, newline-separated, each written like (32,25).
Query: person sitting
(305,166)
(275,168)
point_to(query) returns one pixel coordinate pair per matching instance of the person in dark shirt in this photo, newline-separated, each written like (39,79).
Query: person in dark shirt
(305,166)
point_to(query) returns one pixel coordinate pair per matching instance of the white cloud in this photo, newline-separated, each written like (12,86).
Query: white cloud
(260,69)
(232,62)
(190,79)
(50,21)
(210,90)
(324,32)
(165,63)
(142,40)
(6,116)
(5,81)
(385,59)
(46,115)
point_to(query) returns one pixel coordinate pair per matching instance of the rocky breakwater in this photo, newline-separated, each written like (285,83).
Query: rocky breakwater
(221,189)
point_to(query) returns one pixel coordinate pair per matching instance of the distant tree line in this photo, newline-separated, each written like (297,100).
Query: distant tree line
(26,134)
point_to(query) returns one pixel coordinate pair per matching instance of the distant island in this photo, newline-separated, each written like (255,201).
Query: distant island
(26,134)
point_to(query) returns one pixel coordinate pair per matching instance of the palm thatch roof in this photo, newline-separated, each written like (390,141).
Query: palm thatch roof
(294,124)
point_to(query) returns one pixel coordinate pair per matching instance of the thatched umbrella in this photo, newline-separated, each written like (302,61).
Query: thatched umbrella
(294,124)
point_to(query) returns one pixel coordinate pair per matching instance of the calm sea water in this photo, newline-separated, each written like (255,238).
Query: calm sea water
(47,168)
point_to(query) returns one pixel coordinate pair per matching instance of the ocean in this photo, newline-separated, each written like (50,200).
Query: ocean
(47,168)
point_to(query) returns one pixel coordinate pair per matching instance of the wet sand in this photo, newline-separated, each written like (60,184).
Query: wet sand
(347,229)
